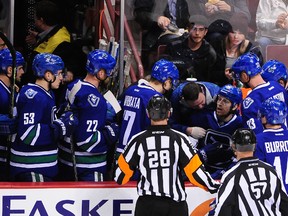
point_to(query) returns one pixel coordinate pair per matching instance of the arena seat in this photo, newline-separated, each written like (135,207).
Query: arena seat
(277,52)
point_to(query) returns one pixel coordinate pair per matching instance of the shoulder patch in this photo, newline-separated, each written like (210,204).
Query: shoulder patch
(30,93)
(247,102)
(93,100)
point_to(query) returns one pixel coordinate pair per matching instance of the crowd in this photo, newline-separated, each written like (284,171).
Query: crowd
(211,108)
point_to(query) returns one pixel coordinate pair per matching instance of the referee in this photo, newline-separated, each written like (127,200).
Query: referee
(160,154)
(251,187)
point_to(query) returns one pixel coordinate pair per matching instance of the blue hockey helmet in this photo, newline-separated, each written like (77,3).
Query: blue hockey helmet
(233,94)
(44,62)
(274,110)
(248,63)
(163,69)
(274,70)
(6,59)
(100,59)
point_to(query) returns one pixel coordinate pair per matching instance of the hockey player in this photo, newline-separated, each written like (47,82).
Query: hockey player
(161,154)
(247,69)
(214,149)
(274,70)
(189,98)
(94,136)
(164,77)
(272,143)
(34,152)
(6,122)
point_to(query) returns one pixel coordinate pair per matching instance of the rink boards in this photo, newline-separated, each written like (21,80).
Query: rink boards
(83,199)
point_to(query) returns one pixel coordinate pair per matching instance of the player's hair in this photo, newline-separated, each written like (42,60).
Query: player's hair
(191,91)
(48,11)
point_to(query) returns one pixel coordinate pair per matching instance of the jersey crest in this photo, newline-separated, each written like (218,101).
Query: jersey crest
(30,93)
(247,102)
(93,100)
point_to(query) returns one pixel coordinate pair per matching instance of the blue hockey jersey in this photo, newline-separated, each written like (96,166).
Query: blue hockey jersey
(134,120)
(272,147)
(34,149)
(90,146)
(251,104)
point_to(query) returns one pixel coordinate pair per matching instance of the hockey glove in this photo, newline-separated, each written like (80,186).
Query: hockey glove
(198,132)
(111,133)
(65,125)
(8,125)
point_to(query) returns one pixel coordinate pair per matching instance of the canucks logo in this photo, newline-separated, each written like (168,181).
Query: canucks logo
(247,102)
(30,93)
(93,100)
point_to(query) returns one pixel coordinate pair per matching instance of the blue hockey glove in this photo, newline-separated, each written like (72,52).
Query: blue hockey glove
(8,125)
(65,125)
(111,133)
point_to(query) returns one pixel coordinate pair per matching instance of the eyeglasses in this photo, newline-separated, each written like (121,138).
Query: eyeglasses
(202,29)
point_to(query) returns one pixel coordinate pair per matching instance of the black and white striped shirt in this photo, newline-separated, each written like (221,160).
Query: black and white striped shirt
(251,187)
(161,153)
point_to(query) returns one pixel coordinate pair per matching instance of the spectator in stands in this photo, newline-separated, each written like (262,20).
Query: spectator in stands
(218,9)
(235,43)
(52,37)
(272,23)
(196,56)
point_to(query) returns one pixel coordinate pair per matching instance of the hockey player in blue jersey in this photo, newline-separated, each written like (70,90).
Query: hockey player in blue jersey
(274,70)
(247,69)
(189,98)
(34,152)
(7,124)
(164,77)
(214,148)
(272,143)
(94,136)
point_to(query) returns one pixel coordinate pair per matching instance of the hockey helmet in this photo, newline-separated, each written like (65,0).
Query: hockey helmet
(44,62)
(244,140)
(248,63)
(158,107)
(274,70)
(6,60)
(100,59)
(233,94)
(274,110)
(164,69)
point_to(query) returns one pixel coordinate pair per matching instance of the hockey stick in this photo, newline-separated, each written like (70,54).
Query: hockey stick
(14,71)
(71,98)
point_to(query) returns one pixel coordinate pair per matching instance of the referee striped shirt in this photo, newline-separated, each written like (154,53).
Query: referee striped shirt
(161,153)
(251,187)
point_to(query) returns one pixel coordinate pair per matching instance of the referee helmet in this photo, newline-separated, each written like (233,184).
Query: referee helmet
(158,108)
(243,140)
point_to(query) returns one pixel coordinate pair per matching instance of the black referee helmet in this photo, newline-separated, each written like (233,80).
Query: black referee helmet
(244,140)
(158,108)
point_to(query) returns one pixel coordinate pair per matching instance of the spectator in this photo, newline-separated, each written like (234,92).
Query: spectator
(192,49)
(52,37)
(273,114)
(251,187)
(272,24)
(6,81)
(161,182)
(134,100)
(34,152)
(94,136)
(247,69)
(218,9)
(190,98)
(234,44)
